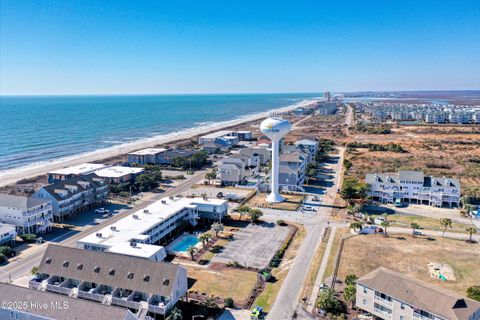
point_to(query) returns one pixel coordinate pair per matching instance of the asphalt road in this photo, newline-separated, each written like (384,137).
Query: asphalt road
(22,267)
(289,295)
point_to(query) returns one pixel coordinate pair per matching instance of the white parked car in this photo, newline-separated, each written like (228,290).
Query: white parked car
(102,211)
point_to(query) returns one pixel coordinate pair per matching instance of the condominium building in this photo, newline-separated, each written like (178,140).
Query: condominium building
(308,145)
(19,303)
(27,213)
(75,195)
(263,153)
(75,171)
(147,287)
(146,156)
(414,187)
(390,295)
(144,233)
(119,174)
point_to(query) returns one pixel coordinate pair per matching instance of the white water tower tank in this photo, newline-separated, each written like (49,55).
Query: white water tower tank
(275,129)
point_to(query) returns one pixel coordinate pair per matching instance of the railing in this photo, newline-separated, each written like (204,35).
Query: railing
(383,313)
(58,289)
(119,302)
(90,296)
(157,309)
(419,316)
(384,301)
(32,284)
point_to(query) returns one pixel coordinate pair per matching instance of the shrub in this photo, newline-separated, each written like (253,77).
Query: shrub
(2,258)
(29,237)
(281,222)
(229,303)
(6,251)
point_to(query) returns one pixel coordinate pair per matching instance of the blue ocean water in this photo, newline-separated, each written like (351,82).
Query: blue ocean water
(41,128)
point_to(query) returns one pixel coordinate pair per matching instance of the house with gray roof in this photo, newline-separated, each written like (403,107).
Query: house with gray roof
(237,168)
(75,195)
(25,304)
(414,187)
(386,294)
(148,287)
(28,214)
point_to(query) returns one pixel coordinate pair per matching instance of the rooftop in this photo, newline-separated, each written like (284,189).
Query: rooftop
(119,271)
(217,134)
(148,151)
(80,169)
(5,227)
(440,302)
(77,309)
(20,202)
(118,235)
(117,171)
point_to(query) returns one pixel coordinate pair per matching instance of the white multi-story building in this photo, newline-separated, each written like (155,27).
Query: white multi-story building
(148,287)
(390,295)
(75,171)
(142,233)
(413,187)
(72,196)
(28,214)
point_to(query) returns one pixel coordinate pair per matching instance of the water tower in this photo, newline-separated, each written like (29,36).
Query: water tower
(275,129)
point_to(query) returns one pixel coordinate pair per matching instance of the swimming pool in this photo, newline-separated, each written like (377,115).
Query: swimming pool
(183,243)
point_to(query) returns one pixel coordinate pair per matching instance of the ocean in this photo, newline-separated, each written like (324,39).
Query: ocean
(38,129)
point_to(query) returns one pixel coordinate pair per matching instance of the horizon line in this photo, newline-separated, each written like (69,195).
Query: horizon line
(223,93)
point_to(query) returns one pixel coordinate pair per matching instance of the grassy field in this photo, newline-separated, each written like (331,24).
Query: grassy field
(267,297)
(425,223)
(314,268)
(339,234)
(234,283)
(451,151)
(410,256)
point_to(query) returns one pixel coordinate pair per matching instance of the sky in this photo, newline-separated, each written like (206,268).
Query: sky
(158,47)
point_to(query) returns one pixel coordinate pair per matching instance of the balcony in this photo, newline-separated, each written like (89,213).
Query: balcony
(383,301)
(382,313)
(36,282)
(158,304)
(54,284)
(86,291)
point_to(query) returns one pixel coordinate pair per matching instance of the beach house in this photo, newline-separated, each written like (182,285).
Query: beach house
(308,145)
(28,214)
(8,232)
(414,187)
(147,287)
(385,294)
(145,156)
(75,171)
(75,195)
(119,174)
(236,169)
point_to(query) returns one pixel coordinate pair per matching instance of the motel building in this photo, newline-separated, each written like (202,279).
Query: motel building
(143,233)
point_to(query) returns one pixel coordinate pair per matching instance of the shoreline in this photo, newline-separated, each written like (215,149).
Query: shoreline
(13,175)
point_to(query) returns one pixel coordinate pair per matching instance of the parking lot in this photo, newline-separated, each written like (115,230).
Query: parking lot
(254,246)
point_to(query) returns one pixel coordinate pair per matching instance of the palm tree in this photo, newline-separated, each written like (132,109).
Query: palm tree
(445,223)
(175,314)
(356,225)
(414,226)
(192,250)
(349,294)
(255,215)
(327,301)
(217,227)
(351,279)
(243,209)
(205,237)
(471,230)
(385,224)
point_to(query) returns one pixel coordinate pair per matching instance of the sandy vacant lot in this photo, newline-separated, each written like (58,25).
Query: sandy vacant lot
(411,256)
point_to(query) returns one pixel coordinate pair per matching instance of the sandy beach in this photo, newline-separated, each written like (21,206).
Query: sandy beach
(11,176)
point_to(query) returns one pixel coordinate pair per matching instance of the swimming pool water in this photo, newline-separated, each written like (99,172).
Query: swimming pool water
(184,244)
